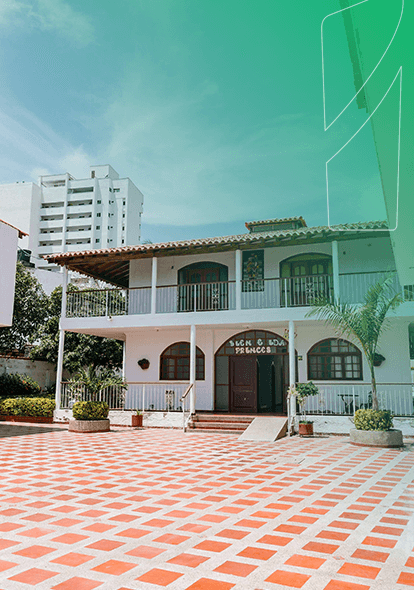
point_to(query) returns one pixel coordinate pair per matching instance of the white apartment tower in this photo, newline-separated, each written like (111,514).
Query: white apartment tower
(103,211)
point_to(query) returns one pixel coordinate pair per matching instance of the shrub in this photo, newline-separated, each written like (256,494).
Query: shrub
(373,420)
(16,385)
(90,410)
(27,406)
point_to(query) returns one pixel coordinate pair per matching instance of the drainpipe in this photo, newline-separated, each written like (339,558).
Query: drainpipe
(192,368)
(154,285)
(59,369)
(238,277)
(335,268)
(292,366)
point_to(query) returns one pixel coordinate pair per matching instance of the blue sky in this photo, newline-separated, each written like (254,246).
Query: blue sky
(213,109)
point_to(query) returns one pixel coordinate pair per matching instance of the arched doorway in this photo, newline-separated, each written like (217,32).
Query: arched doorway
(304,277)
(252,373)
(203,286)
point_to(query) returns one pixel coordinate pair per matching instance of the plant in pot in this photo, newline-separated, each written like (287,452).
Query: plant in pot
(375,428)
(365,323)
(136,419)
(88,389)
(302,391)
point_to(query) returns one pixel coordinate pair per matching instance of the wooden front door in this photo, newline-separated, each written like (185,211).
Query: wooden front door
(243,384)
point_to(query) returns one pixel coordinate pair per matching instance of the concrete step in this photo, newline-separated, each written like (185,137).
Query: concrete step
(223,418)
(218,426)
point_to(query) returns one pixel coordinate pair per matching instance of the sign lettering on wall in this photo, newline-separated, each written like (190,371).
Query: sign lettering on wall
(256,346)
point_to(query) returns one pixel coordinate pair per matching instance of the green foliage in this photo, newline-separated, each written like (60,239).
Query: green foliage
(365,322)
(96,379)
(80,349)
(373,420)
(90,410)
(16,385)
(27,406)
(306,390)
(29,312)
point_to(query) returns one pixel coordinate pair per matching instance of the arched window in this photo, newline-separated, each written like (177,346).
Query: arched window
(175,363)
(304,277)
(334,358)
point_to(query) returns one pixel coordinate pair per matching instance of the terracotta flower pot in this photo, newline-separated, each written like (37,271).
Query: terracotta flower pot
(306,429)
(136,420)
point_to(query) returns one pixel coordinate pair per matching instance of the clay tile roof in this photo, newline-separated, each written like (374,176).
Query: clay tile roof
(276,221)
(21,233)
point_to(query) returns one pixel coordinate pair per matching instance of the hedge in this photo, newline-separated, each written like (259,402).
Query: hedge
(16,385)
(90,410)
(373,420)
(27,406)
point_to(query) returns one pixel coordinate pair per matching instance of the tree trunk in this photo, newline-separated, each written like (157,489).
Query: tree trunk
(374,390)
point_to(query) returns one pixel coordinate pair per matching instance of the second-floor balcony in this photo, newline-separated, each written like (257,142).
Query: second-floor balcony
(269,293)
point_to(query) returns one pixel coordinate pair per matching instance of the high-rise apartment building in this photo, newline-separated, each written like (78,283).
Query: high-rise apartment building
(67,214)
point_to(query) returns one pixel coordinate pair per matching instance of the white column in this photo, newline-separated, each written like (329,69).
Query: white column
(192,368)
(292,365)
(59,368)
(238,277)
(335,268)
(123,359)
(154,285)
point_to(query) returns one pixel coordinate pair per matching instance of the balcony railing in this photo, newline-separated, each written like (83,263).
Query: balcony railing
(344,399)
(339,399)
(275,293)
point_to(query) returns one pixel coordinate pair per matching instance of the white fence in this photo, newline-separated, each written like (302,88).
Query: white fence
(71,393)
(344,398)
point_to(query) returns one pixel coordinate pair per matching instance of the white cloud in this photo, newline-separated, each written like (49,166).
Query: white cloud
(48,15)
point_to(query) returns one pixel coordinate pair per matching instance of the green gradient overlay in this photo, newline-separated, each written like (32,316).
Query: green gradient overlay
(378,36)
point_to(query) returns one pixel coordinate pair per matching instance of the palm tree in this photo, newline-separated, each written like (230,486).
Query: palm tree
(96,379)
(365,322)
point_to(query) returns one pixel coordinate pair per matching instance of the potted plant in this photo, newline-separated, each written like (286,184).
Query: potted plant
(136,419)
(90,416)
(366,323)
(374,428)
(302,391)
(90,384)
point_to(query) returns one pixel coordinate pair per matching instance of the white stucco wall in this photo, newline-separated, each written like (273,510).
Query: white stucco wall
(8,258)
(42,372)
(150,343)
(374,254)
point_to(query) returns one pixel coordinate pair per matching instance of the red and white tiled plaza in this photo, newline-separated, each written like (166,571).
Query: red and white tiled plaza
(145,509)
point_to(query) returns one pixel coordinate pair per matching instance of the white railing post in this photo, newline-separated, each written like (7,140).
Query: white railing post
(154,285)
(192,368)
(238,277)
(335,269)
(285,288)
(194,297)
(143,397)
(292,366)
(59,368)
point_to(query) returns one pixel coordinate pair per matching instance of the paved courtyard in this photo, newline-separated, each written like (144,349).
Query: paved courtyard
(156,508)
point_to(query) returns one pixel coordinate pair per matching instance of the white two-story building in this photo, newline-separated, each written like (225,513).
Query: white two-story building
(229,314)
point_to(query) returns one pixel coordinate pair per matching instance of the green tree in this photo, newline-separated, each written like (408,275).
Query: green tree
(365,322)
(80,349)
(29,312)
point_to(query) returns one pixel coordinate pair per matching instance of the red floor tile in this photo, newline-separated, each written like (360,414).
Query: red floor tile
(333,535)
(379,542)
(359,571)
(35,551)
(171,539)
(215,546)
(6,565)
(78,584)
(406,578)
(305,561)
(337,585)
(288,579)
(114,567)
(33,576)
(209,584)
(188,560)
(380,556)
(320,547)
(275,540)
(132,533)
(232,534)
(145,551)
(235,568)
(73,559)
(159,577)
(256,553)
